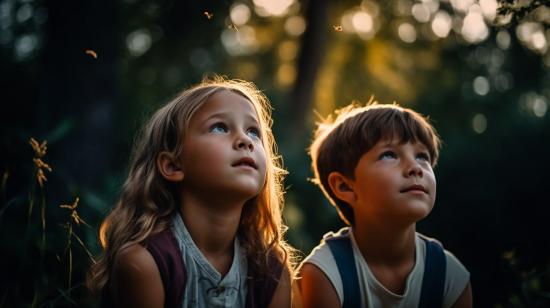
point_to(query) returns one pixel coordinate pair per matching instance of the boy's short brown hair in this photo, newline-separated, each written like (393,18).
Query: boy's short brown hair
(339,144)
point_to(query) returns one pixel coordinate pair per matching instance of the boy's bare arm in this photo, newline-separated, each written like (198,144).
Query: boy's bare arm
(317,290)
(135,279)
(465,299)
(282,296)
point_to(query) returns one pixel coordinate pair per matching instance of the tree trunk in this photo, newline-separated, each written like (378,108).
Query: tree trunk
(313,42)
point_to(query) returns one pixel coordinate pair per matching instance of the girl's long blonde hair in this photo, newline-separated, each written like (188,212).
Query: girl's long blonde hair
(148,201)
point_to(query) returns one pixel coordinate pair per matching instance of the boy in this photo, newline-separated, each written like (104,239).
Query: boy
(375,165)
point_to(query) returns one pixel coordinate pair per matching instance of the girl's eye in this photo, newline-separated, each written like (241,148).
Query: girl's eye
(218,127)
(254,132)
(423,157)
(388,155)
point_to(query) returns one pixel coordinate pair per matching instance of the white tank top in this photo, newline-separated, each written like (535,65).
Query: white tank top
(374,294)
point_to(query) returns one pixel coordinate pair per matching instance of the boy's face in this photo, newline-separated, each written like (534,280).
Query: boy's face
(394,181)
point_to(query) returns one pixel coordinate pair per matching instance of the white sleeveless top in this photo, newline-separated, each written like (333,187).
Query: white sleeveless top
(374,294)
(205,288)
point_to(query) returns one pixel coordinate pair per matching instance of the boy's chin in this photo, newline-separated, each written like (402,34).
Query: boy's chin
(416,213)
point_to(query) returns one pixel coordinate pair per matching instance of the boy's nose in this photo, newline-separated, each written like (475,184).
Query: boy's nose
(414,170)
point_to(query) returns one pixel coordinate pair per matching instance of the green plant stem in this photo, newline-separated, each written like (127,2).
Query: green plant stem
(70,260)
(42,249)
(25,245)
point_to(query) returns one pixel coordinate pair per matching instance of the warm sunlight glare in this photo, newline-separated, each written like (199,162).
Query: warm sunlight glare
(270,7)
(461,5)
(442,24)
(489,9)
(474,29)
(362,22)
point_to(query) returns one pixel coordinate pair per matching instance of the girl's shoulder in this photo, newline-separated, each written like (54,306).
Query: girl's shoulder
(135,278)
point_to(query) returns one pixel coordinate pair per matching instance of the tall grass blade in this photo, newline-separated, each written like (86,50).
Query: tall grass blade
(63,295)
(4,297)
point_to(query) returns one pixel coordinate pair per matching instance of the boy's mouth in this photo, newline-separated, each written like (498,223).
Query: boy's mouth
(415,188)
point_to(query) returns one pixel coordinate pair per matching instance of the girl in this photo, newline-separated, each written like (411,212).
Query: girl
(198,223)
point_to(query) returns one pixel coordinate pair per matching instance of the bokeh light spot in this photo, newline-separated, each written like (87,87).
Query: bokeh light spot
(362,22)
(407,33)
(442,24)
(421,12)
(286,75)
(138,42)
(288,50)
(540,105)
(481,85)
(270,7)
(295,25)
(503,39)
(371,7)
(240,14)
(24,13)
(479,123)
(489,9)
(474,29)
(25,45)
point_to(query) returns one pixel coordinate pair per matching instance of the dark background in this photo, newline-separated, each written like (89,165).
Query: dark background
(484,83)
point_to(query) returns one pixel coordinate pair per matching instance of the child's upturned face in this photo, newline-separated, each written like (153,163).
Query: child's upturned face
(395,181)
(222,151)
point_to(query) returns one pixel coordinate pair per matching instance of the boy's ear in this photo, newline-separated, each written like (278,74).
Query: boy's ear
(342,187)
(169,169)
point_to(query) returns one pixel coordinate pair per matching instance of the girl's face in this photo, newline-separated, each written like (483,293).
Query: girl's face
(223,152)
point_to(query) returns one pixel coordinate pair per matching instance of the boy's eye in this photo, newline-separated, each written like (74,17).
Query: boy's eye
(254,132)
(388,155)
(423,157)
(218,127)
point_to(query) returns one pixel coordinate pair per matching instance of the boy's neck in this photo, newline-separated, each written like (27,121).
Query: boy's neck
(385,244)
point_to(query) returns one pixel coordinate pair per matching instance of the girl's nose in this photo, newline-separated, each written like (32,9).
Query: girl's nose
(245,142)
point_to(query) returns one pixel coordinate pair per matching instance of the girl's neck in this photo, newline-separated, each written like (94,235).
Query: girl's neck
(385,244)
(212,227)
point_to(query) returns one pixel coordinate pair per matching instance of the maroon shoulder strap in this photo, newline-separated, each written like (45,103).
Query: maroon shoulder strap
(262,287)
(167,254)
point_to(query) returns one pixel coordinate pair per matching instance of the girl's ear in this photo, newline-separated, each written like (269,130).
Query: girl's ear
(342,187)
(169,169)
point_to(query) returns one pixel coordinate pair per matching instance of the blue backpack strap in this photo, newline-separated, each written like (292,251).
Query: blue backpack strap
(433,281)
(343,255)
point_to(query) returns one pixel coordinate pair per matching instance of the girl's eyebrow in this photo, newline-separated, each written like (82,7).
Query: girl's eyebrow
(222,115)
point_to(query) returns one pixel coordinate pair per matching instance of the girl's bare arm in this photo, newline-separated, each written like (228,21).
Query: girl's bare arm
(282,296)
(135,279)
(317,290)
